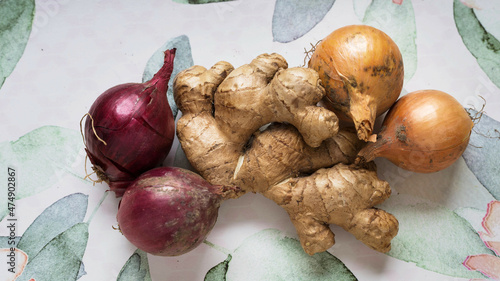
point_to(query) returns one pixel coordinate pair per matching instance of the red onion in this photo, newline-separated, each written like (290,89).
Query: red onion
(130,129)
(169,211)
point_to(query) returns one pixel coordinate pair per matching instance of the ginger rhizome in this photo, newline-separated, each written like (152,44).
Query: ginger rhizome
(258,127)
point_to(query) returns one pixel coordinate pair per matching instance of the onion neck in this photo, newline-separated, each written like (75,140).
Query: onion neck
(366,154)
(363,113)
(161,78)
(371,151)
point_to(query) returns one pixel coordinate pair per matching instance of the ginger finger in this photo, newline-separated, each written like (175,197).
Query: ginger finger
(315,236)
(341,195)
(195,87)
(280,152)
(291,96)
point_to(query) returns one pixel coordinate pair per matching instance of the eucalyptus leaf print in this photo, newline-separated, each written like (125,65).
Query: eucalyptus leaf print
(54,220)
(482,153)
(433,237)
(482,44)
(61,258)
(274,256)
(218,272)
(16,20)
(57,235)
(136,268)
(41,158)
(199,1)
(56,241)
(183,59)
(398,21)
(294,18)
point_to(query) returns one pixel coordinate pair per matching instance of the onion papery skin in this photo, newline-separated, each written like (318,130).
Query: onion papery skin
(137,125)
(362,71)
(168,211)
(424,131)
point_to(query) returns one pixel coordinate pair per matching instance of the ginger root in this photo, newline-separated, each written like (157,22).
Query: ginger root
(258,127)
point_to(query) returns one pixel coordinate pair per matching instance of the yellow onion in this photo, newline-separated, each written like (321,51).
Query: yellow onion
(362,71)
(424,131)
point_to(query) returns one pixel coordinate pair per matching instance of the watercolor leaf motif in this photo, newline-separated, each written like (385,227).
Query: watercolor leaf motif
(53,221)
(199,1)
(16,20)
(55,241)
(488,264)
(398,21)
(432,236)
(42,157)
(183,59)
(274,256)
(136,268)
(294,18)
(61,258)
(481,156)
(482,44)
(218,272)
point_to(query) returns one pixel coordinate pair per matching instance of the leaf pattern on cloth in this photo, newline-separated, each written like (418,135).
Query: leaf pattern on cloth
(57,146)
(16,20)
(54,220)
(482,153)
(136,268)
(488,264)
(429,234)
(482,44)
(294,18)
(200,1)
(218,272)
(61,258)
(274,256)
(55,241)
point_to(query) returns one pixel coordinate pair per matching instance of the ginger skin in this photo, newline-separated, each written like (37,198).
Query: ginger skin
(300,160)
(313,204)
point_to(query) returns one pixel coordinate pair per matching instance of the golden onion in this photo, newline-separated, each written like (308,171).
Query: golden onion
(362,71)
(424,131)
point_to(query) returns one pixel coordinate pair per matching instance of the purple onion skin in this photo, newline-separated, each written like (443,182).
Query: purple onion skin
(137,124)
(168,211)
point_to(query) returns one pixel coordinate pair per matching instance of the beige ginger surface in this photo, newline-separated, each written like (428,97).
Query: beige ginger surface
(258,127)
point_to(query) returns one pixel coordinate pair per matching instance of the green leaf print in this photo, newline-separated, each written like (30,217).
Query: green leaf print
(274,256)
(199,1)
(61,258)
(482,44)
(16,19)
(41,158)
(294,18)
(136,268)
(54,220)
(433,237)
